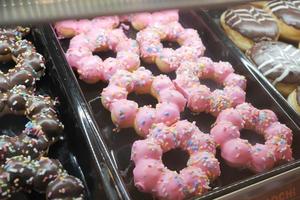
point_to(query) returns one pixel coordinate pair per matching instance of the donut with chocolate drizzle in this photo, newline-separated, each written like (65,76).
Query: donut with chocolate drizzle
(43,175)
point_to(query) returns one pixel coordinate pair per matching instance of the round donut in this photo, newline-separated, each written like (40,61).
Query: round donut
(43,175)
(126,113)
(239,152)
(294,99)
(142,20)
(199,97)
(70,28)
(38,109)
(29,66)
(278,62)
(168,59)
(91,68)
(246,25)
(287,15)
(150,174)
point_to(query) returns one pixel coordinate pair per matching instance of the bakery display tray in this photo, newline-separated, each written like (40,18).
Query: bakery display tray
(213,16)
(75,151)
(116,146)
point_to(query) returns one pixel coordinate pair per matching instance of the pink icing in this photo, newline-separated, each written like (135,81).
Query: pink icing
(167,113)
(223,132)
(123,113)
(90,69)
(112,93)
(237,152)
(74,55)
(207,162)
(144,119)
(262,158)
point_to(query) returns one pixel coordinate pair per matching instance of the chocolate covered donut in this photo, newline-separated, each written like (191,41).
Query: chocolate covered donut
(247,24)
(287,14)
(279,62)
(29,64)
(43,175)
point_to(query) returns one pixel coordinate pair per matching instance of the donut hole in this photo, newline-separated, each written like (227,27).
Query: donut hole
(105,54)
(252,137)
(170,44)
(12,125)
(211,84)
(143,99)
(6,65)
(175,159)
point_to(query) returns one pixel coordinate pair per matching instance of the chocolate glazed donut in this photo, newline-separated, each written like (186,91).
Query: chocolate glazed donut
(287,14)
(247,24)
(279,62)
(43,175)
(43,129)
(29,64)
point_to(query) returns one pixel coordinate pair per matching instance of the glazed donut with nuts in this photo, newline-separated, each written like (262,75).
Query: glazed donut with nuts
(43,175)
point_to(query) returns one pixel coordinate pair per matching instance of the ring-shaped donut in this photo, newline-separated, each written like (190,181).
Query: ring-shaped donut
(70,28)
(29,66)
(91,68)
(125,113)
(43,129)
(199,97)
(150,174)
(239,152)
(168,59)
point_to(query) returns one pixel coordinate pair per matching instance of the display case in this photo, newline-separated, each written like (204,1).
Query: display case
(99,155)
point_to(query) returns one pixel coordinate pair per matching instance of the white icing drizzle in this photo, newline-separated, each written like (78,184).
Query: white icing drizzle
(288,60)
(282,5)
(253,14)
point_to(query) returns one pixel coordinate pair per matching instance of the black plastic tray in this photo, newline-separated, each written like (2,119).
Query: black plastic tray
(74,152)
(118,145)
(214,16)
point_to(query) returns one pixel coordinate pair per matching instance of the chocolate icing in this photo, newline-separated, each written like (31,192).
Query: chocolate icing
(251,22)
(287,11)
(65,187)
(29,64)
(278,61)
(42,175)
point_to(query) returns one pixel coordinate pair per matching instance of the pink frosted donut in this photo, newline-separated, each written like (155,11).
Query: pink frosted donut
(70,28)
(151,176)
(92,69)
(125,113)
(199,97)
(167,59)
(240,153)
(142,20)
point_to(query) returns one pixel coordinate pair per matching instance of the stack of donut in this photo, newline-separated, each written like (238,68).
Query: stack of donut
(161,127)
(256,28)
(22,164)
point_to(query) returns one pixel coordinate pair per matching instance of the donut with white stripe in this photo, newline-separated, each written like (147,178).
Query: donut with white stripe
(279,62)
(287,15)
(247,24)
